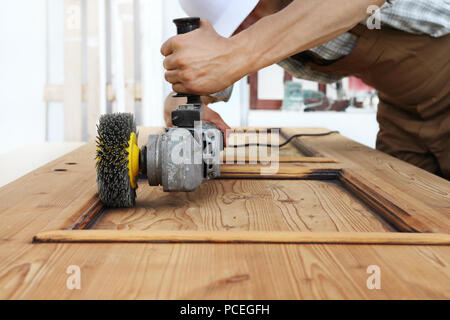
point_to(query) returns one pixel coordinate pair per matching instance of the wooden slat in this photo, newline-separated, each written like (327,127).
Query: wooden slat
(254,135)
(126,16)
(276,170)
(243,237)
(72,71)
(93,68)
(55,92)
(280,159)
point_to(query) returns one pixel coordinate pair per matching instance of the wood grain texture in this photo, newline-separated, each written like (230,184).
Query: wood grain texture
(251,136)
(139,236)
(258,205)
(267,159)
(276,170)
(223,271)
(46,199)
(409,197)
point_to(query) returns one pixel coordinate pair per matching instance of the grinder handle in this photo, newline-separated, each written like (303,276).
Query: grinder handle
(185,25)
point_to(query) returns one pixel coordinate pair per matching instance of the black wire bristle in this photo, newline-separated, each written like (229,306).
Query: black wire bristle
(113,182)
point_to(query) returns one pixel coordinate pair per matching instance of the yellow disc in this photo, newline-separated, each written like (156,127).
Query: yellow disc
(133,160)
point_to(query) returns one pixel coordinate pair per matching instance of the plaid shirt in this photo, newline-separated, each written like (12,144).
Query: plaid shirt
(430,17)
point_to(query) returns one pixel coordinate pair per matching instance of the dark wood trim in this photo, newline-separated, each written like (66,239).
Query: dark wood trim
(262,104)
(323,88)
(267,104)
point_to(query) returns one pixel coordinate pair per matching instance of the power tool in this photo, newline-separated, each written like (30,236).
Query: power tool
(180,159)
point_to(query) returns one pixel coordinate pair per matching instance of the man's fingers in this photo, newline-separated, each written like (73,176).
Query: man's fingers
(179,88)
(166,48)
(169,63)
(172,76)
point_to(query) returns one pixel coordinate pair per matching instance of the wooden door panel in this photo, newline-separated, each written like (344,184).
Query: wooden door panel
(248,205)
(311,197)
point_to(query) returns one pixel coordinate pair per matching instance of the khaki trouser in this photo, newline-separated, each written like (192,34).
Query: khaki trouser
(412,76)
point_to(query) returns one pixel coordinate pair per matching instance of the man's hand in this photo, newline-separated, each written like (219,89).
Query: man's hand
(202,62)
(208,114)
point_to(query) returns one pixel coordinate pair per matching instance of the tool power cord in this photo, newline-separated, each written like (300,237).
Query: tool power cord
(284,143)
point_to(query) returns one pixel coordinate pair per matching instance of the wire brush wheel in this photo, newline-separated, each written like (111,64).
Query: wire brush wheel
(113,179)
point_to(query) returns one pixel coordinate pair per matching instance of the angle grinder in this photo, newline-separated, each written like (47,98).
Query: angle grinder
(180,159)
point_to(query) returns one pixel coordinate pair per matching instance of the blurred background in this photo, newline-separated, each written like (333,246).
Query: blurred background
(65,62)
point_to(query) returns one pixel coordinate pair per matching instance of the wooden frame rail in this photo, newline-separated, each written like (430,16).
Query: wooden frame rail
(158,236)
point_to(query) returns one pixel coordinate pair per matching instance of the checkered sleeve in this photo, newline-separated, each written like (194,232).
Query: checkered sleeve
(430,17)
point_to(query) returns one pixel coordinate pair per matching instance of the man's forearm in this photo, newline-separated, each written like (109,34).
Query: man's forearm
(302,25)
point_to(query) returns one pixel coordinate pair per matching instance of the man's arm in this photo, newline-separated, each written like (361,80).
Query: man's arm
(302,25)
(203,62)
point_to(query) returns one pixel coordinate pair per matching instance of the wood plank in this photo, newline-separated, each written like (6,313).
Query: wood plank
(281,159)
(139,236)
(72,71)
(276,170)
(223,271)
(259,205)
(238,137)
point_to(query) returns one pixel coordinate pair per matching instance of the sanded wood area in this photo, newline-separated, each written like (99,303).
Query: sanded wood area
(265,205)
(54,197)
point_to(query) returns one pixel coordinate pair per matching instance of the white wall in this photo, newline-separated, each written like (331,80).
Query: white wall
(55,69)
(31,34)
(22,72)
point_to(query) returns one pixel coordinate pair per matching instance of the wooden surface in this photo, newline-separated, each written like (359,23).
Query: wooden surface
(421,199)
(265,205)
(54,196)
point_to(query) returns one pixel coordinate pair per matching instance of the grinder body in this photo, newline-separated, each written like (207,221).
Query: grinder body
(183,158)
(187,155)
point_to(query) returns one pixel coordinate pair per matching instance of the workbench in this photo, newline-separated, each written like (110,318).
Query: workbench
(332,213)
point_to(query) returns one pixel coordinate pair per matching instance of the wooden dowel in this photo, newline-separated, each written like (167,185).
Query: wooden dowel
(281,159)
(285,171)
(243,237)
(256,168)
